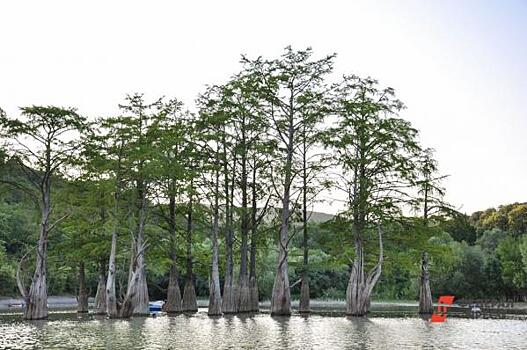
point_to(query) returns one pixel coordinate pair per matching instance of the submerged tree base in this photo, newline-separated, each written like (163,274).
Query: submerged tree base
(425,295)
(37,301)
(243,296)
(304,306)
(189,303)
(214,299)
(228,303)
(253,287)
(281,297)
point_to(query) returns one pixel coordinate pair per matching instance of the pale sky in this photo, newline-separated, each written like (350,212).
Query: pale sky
(459,66)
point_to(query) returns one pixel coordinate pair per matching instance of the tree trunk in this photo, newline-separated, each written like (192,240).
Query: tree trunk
(36,301)
(140,298)
(131,266)
(82,298)
(425,209)
(189,303)
(215,292)
(425,295)
(243,294)
(304,294)
(127,307)
(228,304)
(173,302)
(134,284)
(253,281)
(37,298)
(281,295)
(111,299)
(214,284)
(360,286)
(100,297)
(255,298)
(304,287)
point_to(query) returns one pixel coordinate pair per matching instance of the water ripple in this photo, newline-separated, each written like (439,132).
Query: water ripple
(67,331)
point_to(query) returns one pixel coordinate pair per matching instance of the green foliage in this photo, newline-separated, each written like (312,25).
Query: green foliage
(468,279)
(7,273)
(517,219)
(460,228)
(511,218)
(375,151)
(490,239)
(514,271)
(156,156)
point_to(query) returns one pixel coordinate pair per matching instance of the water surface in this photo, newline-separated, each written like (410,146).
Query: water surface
(66,330)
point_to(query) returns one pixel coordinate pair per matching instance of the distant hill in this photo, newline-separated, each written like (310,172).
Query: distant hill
(319,217)
(315,217)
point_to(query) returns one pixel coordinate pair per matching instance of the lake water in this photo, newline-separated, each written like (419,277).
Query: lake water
(66,330)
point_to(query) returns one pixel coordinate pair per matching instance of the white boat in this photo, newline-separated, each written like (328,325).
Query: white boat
(156,306)
(15,305)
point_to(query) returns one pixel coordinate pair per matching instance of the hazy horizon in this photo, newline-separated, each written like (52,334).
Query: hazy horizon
(459,67)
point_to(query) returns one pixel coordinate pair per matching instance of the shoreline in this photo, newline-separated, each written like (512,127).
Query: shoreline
(70,301)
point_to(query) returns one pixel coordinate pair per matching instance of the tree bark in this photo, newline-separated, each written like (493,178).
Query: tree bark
(100,296)
(304,286)
(111,298)
(36,302)
(281,295)
(82,298)
(253,281)
(303,306)
(228,304)
(243,295)
(361,285)
(215,293)
(131,266)
(173,302)
(37,298)
(189,303)
(255,298)
(425,209)
(140,298)
(134,284)
(425,294)
(214,285)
